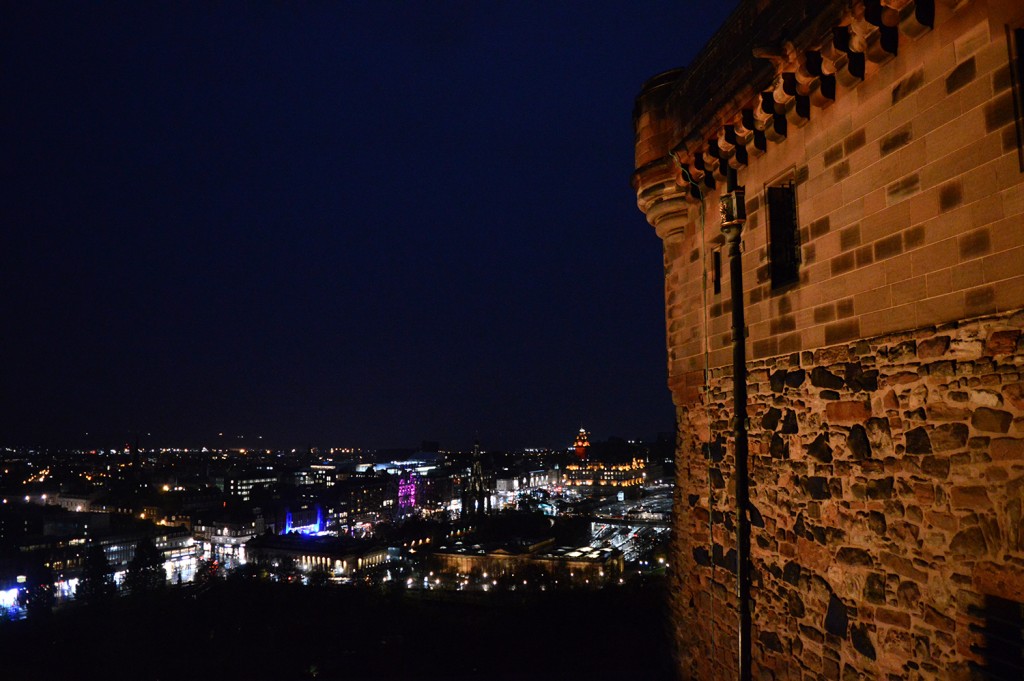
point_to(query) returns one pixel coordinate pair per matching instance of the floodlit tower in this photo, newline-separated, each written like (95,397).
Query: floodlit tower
(581,444)
(476,498)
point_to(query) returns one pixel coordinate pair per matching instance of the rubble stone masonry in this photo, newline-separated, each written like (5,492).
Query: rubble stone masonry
(886,386)
(888,480)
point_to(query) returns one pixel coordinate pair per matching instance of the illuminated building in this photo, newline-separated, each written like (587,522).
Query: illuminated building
(76,502)
(305,518)
(339,557)
(494,559)
(9,591)
(65,554)
(400,498)
(363,495)
(527,479)
(505,484)
(597,474)
(574,564)
(224,539)
(582,564)
(581,444)
(317,474)
(407,492)
(241,485)
(435,491)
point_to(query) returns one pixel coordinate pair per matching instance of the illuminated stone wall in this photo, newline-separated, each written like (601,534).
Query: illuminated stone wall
(886,386)
(888,478)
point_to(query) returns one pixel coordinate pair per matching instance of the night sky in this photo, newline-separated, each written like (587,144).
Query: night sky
(330,223)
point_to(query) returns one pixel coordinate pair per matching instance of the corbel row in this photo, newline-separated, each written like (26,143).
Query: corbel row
(804,81)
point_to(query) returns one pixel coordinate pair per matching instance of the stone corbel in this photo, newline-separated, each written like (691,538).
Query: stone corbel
(725,143)
(894,11)
(740,159)
(783,59)
(784,93)
(707,167)
(800,113)
(864,37)
(738,137)
(833,59)
(721,156)
(737,133)
(919,20)
(880,41)
(733,149)
(686,167)
(778,129)
(846,41)
(882,44)
(655,181)
(812,81)
(718,167)
(807,74)
(713,151)
(769,119)
(751,121)
(670,216)
(661,194)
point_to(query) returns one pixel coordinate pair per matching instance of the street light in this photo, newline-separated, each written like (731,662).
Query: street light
(732,208)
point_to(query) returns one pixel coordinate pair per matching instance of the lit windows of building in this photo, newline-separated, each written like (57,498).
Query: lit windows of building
(338,556)
(598,474)
(241,485)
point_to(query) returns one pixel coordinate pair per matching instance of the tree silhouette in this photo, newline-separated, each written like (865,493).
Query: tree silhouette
(249,571)
(285,568)
(207,572)
(318,576)
(97,583)
(37,596)
(146,569)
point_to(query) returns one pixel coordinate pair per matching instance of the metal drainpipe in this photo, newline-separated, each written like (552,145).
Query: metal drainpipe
(733,216)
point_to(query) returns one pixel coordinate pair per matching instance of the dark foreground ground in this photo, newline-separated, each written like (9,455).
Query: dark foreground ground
(257,630)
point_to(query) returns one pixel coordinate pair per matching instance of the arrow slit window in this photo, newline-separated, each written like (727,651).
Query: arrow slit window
(783,235)
(1015,43)
(716,271)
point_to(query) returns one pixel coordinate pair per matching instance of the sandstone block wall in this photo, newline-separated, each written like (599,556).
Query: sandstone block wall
(909,200)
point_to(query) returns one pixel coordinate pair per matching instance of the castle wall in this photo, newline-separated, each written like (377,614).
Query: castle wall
(888,479)
(886,385)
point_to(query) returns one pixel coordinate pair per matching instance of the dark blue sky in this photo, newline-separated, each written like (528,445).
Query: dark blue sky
(364,223)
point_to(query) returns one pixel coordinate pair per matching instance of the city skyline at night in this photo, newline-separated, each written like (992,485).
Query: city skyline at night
(398,339)
(115,535)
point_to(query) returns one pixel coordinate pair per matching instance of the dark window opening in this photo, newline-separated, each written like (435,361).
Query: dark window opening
(1004,640)
(783,235)
(716,271)
(1015,40)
